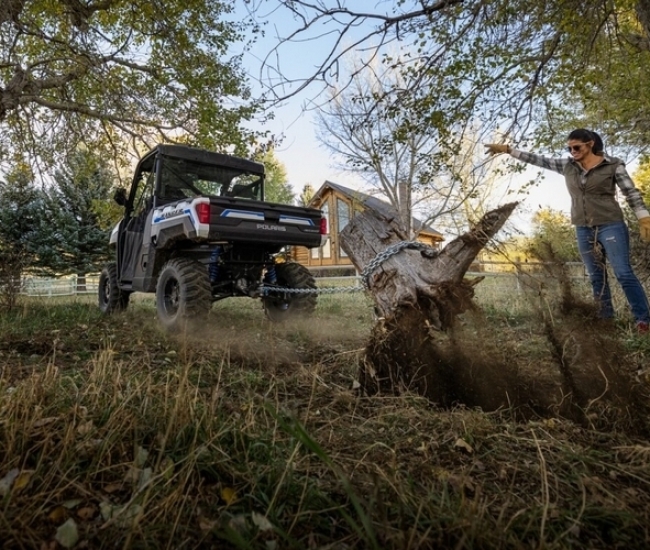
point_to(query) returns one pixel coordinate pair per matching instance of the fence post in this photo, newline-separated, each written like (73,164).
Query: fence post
(518,275)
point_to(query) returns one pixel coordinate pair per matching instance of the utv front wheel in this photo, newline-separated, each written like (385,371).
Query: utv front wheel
(111,297)
(182,293)
(280,306)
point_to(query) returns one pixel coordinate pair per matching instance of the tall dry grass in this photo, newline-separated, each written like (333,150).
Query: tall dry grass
(243,434)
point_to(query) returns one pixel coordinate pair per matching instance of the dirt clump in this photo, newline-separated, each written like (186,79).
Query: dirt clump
(581,373)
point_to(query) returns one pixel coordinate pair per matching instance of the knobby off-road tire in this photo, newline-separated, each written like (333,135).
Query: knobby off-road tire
(182,293)
(111,298)
(280,307)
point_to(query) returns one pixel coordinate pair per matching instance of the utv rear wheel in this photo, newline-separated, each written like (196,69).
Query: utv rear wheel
(182,293)
(111,297)
(280,306)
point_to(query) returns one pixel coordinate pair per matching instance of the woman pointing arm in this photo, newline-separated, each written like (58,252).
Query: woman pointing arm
(592,179)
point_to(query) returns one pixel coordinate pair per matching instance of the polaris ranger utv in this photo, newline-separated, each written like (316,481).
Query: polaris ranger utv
(196,229)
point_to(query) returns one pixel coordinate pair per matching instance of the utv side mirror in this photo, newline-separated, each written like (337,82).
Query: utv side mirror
(120,196)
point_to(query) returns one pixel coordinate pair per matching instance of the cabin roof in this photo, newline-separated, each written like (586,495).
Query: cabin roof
(371,202)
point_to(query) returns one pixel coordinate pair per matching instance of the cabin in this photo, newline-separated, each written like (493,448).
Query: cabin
(339,204)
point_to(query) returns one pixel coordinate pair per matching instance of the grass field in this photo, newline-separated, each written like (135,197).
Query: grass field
(244,434)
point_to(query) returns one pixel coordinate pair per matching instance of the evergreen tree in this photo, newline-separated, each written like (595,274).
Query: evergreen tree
(20,203)
(70,238)
(307,194)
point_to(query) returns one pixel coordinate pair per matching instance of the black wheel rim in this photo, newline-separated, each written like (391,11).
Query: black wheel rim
(281,305)
(171,297)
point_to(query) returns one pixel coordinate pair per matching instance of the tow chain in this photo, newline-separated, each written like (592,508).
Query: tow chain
(365,274)
(391,251)
(266,290)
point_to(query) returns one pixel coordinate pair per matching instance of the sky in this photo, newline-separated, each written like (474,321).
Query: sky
(307,161)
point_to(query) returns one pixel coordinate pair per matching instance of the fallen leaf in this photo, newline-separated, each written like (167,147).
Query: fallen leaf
(67,534)
(7,481)
(112,487)
(85,427)
(87,512)
(461,484)
(72,503)
(229,495)
(463,445)
(141,455)
(106,509)
(206,524)
(123,515)
(239,524)
(261,521)
(132,475)
(58,515)
(23,480)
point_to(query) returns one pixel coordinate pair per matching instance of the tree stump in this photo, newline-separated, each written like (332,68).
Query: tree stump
(418,292)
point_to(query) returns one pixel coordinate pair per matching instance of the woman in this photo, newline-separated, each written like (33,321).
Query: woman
(592,178)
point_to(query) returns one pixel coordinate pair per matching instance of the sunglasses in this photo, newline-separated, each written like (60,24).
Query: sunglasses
(575,148)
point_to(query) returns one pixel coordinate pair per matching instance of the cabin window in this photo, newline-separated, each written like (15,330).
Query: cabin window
(326,249)
(342,218)
(343,213)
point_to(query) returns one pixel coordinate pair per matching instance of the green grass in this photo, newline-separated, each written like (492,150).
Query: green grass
(245,434)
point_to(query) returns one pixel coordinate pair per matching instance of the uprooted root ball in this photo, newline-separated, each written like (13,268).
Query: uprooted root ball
(581,373)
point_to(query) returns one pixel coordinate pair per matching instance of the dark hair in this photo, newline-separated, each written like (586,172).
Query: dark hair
(598,148)
(581,134)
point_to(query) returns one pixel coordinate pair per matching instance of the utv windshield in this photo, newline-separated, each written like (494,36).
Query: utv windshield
(181,179)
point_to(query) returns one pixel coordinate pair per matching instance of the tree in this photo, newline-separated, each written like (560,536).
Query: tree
(357,129)
(306,195)
(70,238)
(276,187)
(117,73)
(512,65)
(642,179)
(401,159)
(20,203)
(553,237)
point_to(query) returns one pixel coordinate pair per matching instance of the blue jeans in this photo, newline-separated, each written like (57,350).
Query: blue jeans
(611,241)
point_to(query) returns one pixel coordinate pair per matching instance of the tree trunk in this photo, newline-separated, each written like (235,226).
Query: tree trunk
(417,292)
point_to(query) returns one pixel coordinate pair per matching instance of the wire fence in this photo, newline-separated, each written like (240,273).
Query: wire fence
(49,287)
(504,275)
(508,285)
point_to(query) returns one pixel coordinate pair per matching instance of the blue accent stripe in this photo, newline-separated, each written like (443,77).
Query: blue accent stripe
(296,220)
(242,214)
(187,212)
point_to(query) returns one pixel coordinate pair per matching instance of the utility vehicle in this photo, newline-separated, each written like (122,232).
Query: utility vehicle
(196,229)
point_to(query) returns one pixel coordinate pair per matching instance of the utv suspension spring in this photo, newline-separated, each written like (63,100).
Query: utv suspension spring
(213,266)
